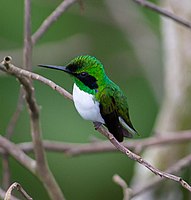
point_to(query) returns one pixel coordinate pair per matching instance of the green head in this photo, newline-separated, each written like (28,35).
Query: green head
(88,72)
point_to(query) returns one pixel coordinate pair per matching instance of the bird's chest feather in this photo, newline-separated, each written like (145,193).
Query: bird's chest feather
(86,105)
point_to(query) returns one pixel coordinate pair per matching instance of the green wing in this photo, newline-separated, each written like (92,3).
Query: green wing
(114,110)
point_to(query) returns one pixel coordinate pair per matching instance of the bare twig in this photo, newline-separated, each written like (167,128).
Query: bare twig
(42,168)
(127,192)
(19,188)
(175,168)
(140,160)
(164,12)
(51,19)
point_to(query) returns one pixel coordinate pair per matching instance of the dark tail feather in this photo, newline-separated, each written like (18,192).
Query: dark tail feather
(120,132)
(117,133)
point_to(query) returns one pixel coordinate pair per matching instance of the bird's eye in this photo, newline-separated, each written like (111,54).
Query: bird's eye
(83,74)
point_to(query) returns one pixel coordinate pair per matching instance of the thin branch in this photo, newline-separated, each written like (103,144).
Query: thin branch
(175,168)
(42,168)
(19,188)
(164,12)
(140,160)
(51,19)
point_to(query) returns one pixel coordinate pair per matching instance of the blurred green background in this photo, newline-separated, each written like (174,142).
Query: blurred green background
(126,38)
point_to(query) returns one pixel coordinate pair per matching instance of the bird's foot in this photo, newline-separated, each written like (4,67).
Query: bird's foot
(97,125)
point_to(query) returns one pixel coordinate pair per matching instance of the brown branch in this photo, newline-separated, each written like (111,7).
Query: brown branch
(164,13)
(140,160)
(51,19)
(19,188)
(175,168)
(42,168)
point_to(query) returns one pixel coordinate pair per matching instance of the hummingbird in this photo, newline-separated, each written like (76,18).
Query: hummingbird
(96,97)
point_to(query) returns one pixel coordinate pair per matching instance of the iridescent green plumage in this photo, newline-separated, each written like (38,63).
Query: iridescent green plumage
(97,98)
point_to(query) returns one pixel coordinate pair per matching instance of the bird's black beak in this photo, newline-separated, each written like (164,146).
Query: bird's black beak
(62,68)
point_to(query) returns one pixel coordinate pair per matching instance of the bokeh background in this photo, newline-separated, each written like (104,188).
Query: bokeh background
(126,39)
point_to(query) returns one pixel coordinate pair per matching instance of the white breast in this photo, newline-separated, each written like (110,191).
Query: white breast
(86,105)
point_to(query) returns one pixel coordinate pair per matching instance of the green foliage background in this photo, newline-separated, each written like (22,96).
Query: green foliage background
(88,31)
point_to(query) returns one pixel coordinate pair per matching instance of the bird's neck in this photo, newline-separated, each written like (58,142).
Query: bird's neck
(101,84)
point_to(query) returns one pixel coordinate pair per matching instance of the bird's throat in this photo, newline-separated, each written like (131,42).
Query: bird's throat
(84,87)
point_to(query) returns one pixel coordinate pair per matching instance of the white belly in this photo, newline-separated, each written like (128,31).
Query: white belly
(86,105)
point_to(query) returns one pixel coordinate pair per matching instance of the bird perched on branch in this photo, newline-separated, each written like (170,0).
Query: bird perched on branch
(96,97)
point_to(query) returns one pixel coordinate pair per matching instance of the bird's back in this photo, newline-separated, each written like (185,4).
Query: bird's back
(115,112)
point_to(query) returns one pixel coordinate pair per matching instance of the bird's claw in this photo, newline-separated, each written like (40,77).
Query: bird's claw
(97,125)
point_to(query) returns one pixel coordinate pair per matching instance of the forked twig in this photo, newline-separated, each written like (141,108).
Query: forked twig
(19,188)
(127,192)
